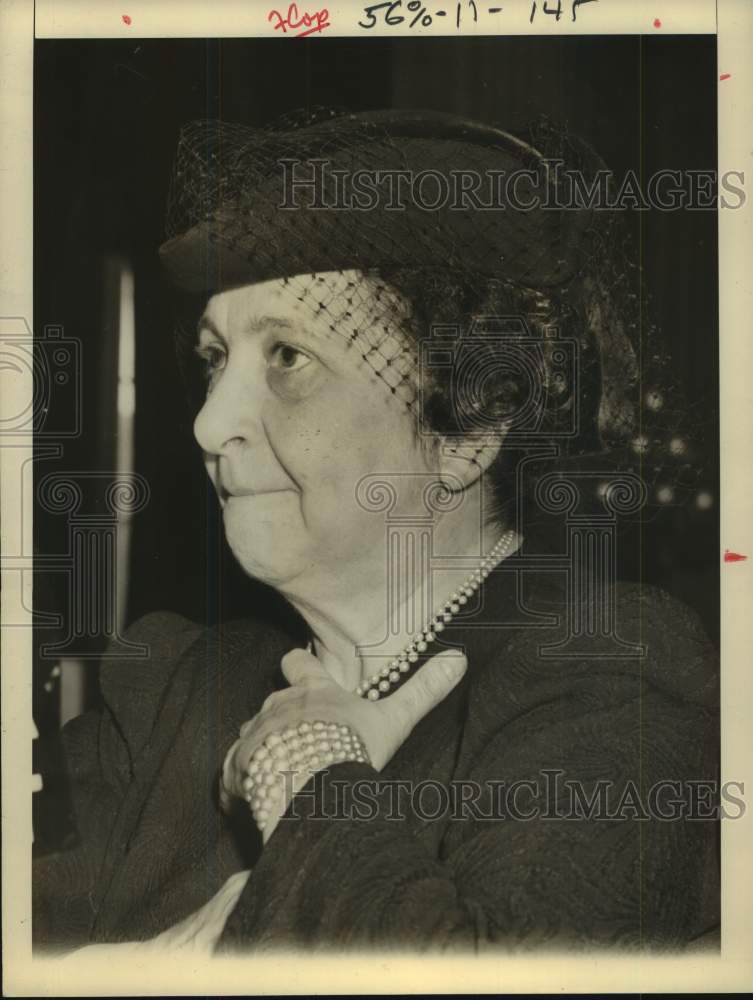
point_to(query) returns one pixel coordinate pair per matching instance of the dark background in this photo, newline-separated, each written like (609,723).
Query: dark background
(106,123)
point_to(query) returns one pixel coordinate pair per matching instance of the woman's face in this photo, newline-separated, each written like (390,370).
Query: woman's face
(295,417)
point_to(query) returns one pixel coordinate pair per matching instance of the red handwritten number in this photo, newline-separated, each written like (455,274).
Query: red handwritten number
(311,23)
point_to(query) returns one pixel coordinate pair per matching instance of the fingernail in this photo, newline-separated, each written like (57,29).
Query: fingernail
(296,651)
(454,662)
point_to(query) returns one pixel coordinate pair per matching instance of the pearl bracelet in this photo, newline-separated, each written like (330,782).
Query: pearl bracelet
(304,749)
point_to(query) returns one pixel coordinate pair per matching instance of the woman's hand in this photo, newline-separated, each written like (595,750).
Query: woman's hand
(313,695)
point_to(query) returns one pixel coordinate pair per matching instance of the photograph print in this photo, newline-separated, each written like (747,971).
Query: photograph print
(376,519)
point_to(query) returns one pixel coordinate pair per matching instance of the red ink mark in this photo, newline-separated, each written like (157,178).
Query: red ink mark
(733,556)
(725,76)
(126,19)
(293,20)
(657,22)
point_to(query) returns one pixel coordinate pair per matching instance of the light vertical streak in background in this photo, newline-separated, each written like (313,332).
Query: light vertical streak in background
(126,409)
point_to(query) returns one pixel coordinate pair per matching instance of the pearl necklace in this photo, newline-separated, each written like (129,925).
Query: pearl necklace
(379,684)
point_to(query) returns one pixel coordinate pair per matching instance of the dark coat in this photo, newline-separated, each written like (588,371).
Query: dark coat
(154,845)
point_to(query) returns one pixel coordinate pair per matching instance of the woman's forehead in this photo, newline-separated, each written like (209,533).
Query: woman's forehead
(317,300)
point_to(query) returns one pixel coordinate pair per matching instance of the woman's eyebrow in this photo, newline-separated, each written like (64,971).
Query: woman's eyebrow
(301,328)
(260,323)
(205,323)
(256,325)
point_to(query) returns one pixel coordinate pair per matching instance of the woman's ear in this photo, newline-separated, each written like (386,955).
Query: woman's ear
(464,459)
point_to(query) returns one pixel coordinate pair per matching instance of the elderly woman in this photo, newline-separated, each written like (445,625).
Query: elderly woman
(468,749)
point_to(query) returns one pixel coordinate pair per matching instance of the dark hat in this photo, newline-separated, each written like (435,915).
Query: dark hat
(376,190)
(395,192)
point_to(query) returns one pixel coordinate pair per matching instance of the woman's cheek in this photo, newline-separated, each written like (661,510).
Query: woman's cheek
(293,387)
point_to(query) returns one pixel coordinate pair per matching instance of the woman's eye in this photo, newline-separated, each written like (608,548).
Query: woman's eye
(213,357)
(285,358)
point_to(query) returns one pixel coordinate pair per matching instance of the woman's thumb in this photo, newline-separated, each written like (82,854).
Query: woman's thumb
(301,667)
(431,685)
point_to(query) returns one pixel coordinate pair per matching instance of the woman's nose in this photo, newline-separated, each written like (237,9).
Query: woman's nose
(228,414)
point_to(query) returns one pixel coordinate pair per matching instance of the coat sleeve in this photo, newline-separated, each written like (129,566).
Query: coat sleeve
(64,883)
(511,881)
(544,866)
(98,749)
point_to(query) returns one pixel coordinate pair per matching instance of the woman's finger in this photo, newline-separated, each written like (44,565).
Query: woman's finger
(301,667)
(431,685)
(253,734)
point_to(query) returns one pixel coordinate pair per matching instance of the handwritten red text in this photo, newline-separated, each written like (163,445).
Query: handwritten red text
(293,21)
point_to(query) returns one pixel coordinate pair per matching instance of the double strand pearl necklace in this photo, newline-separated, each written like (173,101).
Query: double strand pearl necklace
(379,684)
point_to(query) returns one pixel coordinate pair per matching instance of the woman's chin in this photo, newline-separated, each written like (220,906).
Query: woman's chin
(264,564)
(261,531)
